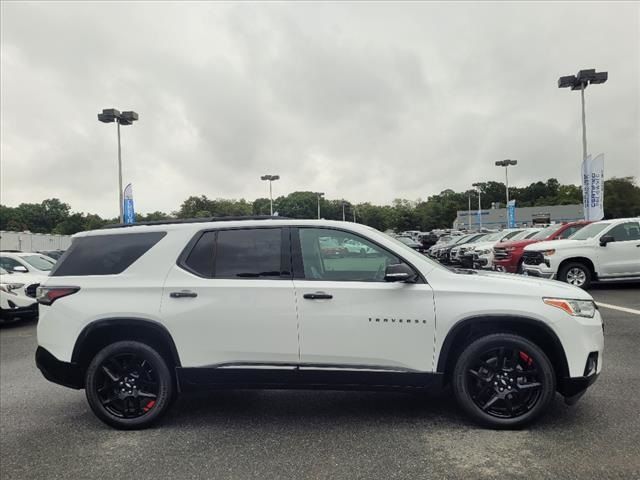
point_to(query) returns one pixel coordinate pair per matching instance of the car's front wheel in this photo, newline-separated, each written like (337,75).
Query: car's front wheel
(503,380)
(575,273)
(128,385)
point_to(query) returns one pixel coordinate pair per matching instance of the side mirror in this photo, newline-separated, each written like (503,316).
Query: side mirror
(400,272)
(606,239)
(20,268)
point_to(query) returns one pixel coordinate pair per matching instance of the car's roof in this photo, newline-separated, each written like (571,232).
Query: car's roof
(197,226)
(20,254)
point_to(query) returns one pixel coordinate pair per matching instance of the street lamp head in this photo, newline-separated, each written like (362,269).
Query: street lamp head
(270,177)
(582,79)
(320,194)
(109,115)
(565,82)
(127,118)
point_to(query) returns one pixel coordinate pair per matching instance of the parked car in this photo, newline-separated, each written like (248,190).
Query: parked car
(55,254)
(137,314)
(25,262)
(14,303)
(354,247)
(507,256)
(487,242)
(411,243)
(483,253)
(460,247)
(330,247)
(603,251)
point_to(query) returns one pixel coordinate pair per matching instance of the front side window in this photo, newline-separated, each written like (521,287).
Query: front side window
(8,263)
(243,253)
(328,255)
(625,232)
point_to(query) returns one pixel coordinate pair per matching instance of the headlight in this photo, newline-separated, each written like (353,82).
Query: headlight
(548,253)
(576,308)
(485,252)
(510,249)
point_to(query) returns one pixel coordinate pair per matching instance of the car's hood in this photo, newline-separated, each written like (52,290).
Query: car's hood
(515,244)
(510,283)
(483,245)
(555,244)
(25,278)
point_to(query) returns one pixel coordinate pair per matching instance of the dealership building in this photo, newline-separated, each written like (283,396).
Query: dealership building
(525,216)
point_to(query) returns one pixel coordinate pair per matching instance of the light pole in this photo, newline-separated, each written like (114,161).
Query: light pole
(270,178)
(469,213)
(478,185)
(343,218)
(320,195)
(580,82)
(505,164)
(110,115)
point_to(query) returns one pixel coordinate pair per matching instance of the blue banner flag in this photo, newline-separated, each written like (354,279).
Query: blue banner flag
(129,213)
(511,214)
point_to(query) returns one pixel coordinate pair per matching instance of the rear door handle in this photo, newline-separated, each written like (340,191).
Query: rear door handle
(183,294)
(317,296)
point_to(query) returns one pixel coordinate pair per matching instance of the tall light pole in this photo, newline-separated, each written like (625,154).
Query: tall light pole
(110,115)
(580,82)
(478,185)
(469,213)
(505,164)
(343,217)
(270,178)
(320,195)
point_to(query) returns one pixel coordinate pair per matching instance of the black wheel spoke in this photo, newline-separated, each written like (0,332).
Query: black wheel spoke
(146,394)
(491,401)
(477,375)
(500,359)
(110,399)
(525,386)
(112,376)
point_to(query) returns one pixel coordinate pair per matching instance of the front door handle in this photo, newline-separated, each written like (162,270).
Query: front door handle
(183,294)
(317,296)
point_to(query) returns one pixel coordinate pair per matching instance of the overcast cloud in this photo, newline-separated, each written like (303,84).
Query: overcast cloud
(368,102)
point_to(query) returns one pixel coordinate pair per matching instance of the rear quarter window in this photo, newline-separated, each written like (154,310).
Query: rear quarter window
(105,254)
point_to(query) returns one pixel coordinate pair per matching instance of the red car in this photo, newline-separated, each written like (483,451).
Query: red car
(507,256)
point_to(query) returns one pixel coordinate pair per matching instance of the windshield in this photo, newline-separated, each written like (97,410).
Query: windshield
(546,232)
(523,234)
(39,262)
(493,237)
(589,231)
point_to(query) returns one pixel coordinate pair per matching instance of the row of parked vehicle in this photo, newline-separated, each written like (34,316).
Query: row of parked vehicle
(574,252)
(20,275)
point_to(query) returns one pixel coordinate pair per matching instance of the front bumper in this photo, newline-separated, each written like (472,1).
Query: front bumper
(63,373)
(541,270)
(30,311)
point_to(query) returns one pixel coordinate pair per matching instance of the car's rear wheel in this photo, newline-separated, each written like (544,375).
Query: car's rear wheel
(575,273)
(128,385)
(503,380)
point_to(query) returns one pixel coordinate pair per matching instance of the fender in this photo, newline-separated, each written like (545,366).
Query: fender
(478,320)
(126,322)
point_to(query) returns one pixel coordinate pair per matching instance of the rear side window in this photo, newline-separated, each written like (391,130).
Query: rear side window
(242,253)
(105,254)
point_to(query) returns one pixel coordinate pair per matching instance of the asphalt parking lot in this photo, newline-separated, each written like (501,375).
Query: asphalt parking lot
(47,431)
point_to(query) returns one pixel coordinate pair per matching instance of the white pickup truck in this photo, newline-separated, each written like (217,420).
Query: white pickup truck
(601,251)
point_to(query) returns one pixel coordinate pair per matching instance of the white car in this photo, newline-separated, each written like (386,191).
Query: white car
(137,314)
(24,262)
(483,251)
(14,303)
(603,251)
(466,258)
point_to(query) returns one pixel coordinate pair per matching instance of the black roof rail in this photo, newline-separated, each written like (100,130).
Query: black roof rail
(173,221)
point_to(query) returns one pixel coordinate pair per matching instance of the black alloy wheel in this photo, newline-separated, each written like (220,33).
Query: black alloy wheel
(504,380)
(128,385)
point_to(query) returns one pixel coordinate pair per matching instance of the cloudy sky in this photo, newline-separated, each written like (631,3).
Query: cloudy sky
(367,101)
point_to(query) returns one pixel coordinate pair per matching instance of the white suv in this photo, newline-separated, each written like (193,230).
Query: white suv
(136,315)
(603,251)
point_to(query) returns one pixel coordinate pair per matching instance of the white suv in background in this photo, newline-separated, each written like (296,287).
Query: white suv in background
(15,304)
(603,251)
(135,315)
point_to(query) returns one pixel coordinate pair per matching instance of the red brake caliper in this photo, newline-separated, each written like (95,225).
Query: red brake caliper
(526,359)
(149,405)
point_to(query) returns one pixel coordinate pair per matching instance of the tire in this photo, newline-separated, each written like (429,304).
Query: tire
(509,397)
(577,274)
(129,385)
(520,268)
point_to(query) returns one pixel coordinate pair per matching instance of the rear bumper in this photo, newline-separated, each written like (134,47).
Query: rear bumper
(63,373)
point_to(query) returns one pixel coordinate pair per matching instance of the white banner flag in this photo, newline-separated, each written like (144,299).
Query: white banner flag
(593,187)
(596,188)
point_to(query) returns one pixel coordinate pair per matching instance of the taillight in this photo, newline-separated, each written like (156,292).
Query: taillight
(48,295)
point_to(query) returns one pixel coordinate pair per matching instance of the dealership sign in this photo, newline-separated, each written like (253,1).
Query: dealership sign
(593,187)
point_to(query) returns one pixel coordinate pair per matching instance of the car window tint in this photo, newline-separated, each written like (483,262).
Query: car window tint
(105,254)
(248,253)
(39,262)
(200,259)
(8,263)
(340,256)
(625,232)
